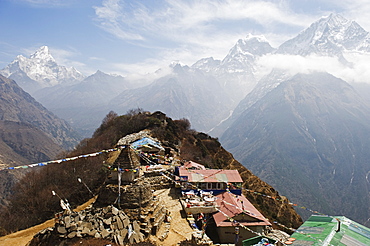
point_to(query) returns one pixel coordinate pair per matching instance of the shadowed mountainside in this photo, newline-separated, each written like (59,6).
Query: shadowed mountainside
(309,138)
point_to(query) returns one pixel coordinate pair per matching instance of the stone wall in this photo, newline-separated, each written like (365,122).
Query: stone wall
(159,182)
(136,195)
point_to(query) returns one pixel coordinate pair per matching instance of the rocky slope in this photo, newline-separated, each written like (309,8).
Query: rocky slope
(18,106)
(29,133)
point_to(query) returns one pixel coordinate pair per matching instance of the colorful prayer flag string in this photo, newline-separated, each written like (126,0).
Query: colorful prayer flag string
(62,160)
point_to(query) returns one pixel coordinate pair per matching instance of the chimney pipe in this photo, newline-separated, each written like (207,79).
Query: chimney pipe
(338,228)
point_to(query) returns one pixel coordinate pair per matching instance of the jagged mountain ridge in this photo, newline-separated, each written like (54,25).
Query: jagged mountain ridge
(292,147)
(308,137)
(198,91)
(96,89)
(237,71)
(233,78)
(331,36)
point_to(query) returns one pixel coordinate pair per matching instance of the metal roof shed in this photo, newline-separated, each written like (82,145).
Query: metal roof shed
(331,230)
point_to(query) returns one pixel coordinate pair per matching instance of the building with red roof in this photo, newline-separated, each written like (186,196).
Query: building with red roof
(238,208)
(215,180)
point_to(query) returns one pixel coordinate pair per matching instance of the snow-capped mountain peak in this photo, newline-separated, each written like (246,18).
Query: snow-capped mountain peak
(251,46)
(242,56)
(258,38)
(206,64)
(330,35)
(339,29)
(40,70)
(43,54)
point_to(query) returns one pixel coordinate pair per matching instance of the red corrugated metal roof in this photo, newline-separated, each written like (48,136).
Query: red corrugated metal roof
(211,175)
(253,216)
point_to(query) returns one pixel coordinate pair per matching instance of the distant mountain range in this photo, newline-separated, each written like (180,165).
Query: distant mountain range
(194,92)
(302,127)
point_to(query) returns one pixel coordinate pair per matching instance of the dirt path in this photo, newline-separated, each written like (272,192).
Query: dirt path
(21,238)
(180,228)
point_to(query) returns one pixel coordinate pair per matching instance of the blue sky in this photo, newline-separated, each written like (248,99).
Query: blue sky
(138,37)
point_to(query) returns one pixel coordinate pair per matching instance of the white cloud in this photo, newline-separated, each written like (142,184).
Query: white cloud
(193,22)
(94,58)
(180,20)
(112,19)
(299,64)
(294,64)
(359,71)
(188,30)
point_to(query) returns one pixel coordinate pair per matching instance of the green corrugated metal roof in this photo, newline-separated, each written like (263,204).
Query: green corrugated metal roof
(321,230)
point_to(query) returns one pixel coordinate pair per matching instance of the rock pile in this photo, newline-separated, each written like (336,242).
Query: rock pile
(108,223)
